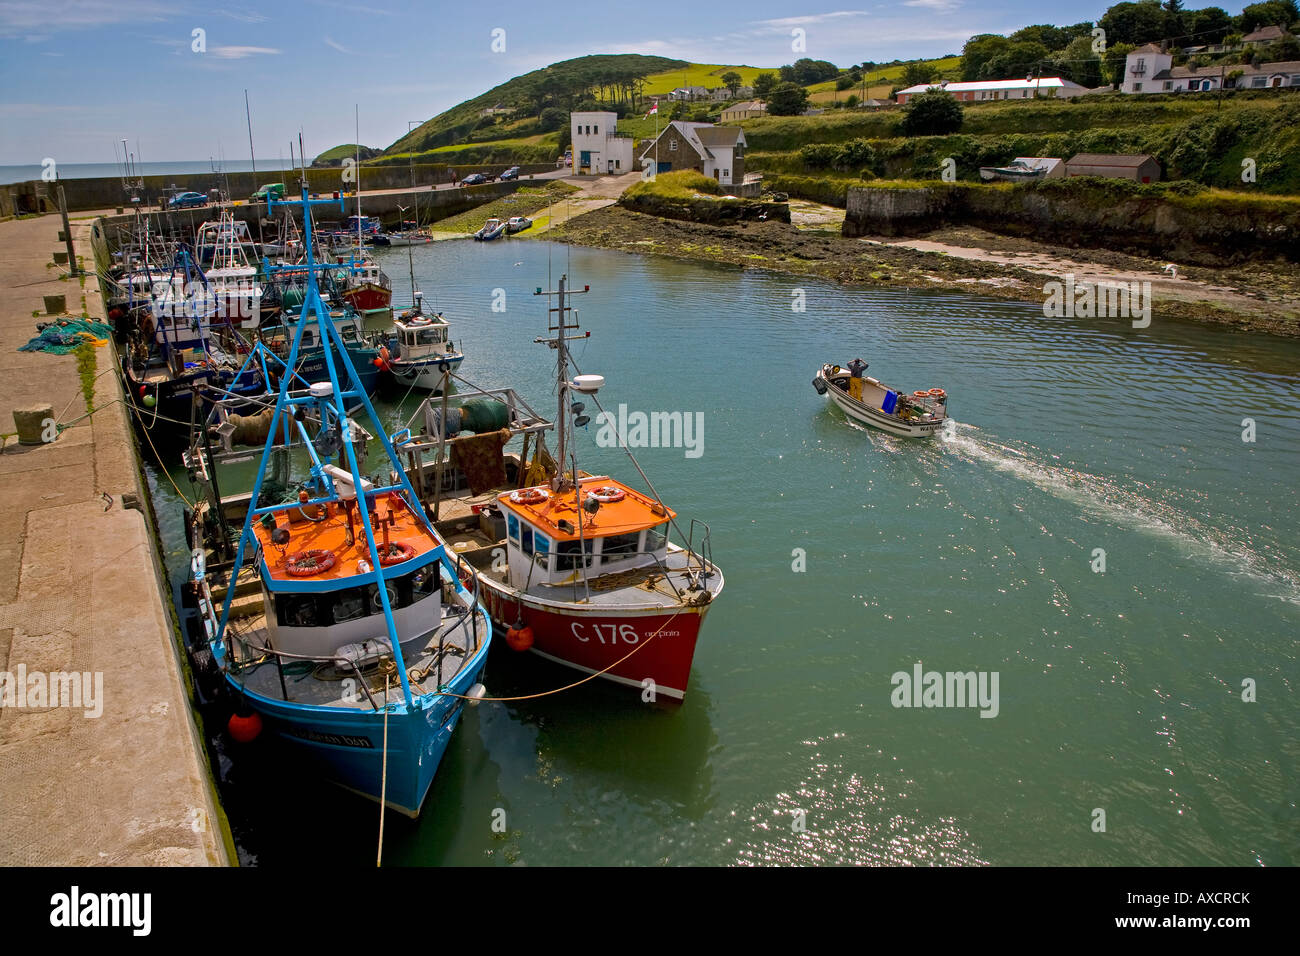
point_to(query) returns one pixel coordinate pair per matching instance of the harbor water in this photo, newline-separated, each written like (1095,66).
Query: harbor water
(1111,533)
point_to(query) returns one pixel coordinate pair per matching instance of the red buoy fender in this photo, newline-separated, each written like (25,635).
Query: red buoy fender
(245,729)
(519,638)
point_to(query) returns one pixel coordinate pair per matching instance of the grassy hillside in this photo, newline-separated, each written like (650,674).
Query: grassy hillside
(880,81)
(1196,137)
(699,74)
(566,79)
(332,157)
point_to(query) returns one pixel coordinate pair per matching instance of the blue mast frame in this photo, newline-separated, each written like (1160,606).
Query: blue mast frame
(329,336)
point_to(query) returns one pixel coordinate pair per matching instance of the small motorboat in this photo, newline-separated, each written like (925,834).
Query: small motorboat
(492,229)
(1015,171)
(869,401)
(518,224)
(420,349)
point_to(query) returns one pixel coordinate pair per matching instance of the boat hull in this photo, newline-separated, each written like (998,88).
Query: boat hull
(594,639)
(346,746)
(874,417)
(425,373)
(369,297)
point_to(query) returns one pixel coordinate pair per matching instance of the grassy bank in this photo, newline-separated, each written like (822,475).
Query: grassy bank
(524,201)
(1194,137)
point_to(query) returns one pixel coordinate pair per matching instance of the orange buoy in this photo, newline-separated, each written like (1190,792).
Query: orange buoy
(519,638)
(921,393)
(245,728)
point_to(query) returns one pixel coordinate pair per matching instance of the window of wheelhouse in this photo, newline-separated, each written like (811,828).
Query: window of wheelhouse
(571,555)
(619,547)
(656,538)
(351,604)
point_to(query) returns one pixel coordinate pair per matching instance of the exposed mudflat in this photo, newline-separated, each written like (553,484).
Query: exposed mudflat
(1259,296)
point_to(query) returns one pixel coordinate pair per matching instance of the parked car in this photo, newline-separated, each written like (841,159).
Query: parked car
(511,173)
(518,223)
(474,179)
(186,200)
(269,192)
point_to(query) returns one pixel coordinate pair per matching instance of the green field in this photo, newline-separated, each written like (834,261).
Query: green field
(700,74)
(882,81)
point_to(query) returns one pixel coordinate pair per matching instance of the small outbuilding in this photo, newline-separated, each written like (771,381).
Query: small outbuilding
(1141,168)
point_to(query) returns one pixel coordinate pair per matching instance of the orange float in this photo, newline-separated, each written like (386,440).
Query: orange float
(519,638)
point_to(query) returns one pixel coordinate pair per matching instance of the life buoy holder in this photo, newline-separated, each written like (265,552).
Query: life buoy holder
(397,552)
(304,564)
(529,496)
(607,493)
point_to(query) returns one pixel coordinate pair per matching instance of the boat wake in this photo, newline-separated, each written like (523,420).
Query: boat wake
(1135,506)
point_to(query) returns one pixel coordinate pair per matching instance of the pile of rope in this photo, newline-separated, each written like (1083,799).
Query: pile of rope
(64,335)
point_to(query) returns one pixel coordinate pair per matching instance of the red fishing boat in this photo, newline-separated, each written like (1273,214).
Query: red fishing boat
(367,288)
(579,569)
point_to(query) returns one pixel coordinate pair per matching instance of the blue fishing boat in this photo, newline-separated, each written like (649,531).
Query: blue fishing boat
(358,645)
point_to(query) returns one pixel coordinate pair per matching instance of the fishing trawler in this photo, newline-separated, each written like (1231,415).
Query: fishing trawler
(576,568)
(361,645)
(419,349)
(869,401)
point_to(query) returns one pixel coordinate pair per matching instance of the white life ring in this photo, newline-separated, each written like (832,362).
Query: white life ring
(529,496)
(607,493)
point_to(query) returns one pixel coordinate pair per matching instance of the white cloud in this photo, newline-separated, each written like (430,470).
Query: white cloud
(941,6)
(244,16)
(240,52)
(19,16)
(338,46)
(783,22)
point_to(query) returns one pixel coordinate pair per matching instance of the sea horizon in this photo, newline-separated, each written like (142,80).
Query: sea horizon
(10,174)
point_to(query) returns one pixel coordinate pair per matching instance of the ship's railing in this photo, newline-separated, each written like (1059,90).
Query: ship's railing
(705,553)
(211,623)
(255,652)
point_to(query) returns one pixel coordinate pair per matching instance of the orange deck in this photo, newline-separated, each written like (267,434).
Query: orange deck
(331,535)
(633,513)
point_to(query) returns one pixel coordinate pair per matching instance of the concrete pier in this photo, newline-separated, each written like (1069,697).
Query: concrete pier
(82,590)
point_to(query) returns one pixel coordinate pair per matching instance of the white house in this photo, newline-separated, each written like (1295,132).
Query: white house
(597,147)
(715,151)
(981,90)
(1149,69)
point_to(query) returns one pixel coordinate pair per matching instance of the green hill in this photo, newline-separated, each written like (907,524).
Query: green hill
(335,156)
(563,85)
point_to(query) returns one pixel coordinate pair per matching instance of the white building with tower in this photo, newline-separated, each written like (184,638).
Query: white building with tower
(597,147)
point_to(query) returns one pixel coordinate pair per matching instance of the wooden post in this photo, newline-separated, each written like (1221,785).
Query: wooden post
(67,233)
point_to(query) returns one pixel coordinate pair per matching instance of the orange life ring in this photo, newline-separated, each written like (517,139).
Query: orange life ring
(608,493)
(529,496)
(937,393)
(921,393)
(304,564)
(397,553)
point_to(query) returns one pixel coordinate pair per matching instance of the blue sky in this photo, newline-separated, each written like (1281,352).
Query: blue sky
(77,76)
